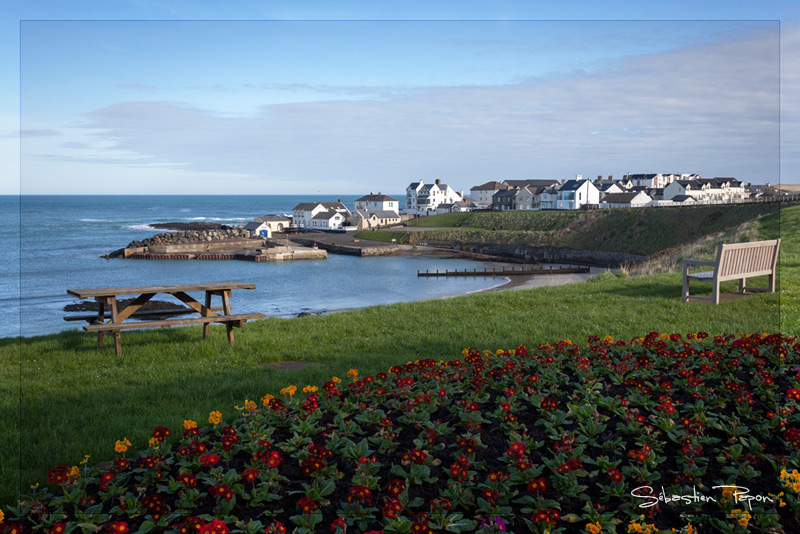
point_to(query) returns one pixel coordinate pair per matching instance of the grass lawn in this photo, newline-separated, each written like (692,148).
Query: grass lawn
(62,397)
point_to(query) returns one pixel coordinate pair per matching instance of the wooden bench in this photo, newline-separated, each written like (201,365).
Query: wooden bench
(107,299)
(738,261)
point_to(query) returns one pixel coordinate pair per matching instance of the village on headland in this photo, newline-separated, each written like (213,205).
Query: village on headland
(284,237)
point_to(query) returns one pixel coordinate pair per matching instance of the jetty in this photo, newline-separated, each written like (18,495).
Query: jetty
(509,271)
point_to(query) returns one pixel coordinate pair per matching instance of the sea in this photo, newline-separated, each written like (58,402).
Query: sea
(49,244)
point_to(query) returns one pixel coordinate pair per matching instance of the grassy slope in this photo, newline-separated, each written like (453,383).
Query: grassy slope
(636,231)
(77,399)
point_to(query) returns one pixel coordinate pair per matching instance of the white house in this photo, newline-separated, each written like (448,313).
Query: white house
(258,229)
(327,220)
(364,220)
(461,206)
(652,180)
(423,199)
(574,194)
(379,202)
(625,200)
(303,213)
(276,223)
(482,194)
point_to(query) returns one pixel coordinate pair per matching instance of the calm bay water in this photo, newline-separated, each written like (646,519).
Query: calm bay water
(52,243)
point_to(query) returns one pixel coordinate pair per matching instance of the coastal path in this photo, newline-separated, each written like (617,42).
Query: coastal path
(107,300)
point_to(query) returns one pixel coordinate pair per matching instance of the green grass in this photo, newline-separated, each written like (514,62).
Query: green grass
(62,397)
(636,230)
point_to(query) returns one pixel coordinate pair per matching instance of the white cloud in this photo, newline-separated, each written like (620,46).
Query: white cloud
(711,109)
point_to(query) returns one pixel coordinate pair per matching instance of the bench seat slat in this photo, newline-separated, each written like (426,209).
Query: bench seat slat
(238,318)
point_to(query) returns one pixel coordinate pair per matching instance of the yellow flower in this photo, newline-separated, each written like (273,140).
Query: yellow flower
(741,516)
(336,379)
(310,389)
(727,492)
(594,528)
(122,445)
(248,406)
(215,417)
(352,373)
(153,442)
(2,516)
(266,399)
(608,340)
(74,472)
(188,424)
(289,390)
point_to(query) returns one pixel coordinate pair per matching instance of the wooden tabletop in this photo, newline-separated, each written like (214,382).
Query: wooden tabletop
(114,291)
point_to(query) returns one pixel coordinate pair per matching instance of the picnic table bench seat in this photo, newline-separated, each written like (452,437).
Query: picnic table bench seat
(735,261)
(107,300)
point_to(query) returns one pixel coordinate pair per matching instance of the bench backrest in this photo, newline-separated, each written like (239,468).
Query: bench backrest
(754,259)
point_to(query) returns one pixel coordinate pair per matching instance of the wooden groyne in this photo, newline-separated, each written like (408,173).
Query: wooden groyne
(509,271)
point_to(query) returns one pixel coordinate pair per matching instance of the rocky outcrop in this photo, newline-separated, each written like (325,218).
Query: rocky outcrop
(192,236)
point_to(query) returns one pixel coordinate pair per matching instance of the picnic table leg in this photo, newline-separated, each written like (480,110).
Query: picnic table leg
(742,282)
(101,318)
(226,308)
(208,305)
(117,335)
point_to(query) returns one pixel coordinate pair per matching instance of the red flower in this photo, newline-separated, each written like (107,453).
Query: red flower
(276,527)
(58,475)
(209,459)
(615,475)
(396,487)
(537,485)
(58,528)
(161,433)
(187,479)
(118,527)
(306,505)
(548,516)
(339,524)
(221,491)
(250,474)
(548,404)
(793,394)
(392,508)
(215,527)
(105,480)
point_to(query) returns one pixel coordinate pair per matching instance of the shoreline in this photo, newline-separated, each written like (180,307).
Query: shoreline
(508,284)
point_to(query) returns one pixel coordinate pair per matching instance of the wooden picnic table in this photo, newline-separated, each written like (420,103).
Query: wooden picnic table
(107,301)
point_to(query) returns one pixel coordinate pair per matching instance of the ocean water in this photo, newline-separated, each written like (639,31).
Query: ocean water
(53,243)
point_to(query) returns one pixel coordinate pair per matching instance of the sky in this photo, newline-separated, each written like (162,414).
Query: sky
(201,97)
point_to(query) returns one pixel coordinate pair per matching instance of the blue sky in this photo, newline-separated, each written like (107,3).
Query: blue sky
(146,97)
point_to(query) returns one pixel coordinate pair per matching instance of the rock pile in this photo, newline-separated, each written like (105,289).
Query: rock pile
(192,236)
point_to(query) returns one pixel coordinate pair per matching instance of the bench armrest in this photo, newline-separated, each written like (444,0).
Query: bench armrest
(699,262)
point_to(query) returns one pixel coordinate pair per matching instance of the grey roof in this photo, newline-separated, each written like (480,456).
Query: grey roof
(376,198)
(573,185)
(252,225)
(681,198)
(536,183)
(276,218)
(507,193)
(385,214)
(305,206)
(491,186)
(619,198)
(605,186)
(325,215)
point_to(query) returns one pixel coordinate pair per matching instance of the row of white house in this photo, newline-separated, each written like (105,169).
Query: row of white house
(634,190)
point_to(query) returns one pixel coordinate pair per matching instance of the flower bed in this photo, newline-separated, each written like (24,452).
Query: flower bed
(661,433)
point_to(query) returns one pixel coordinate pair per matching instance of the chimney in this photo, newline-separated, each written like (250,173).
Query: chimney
(579,177)
(610,177)
(438,181)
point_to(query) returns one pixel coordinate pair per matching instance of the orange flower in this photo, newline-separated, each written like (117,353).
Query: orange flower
(215,417)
